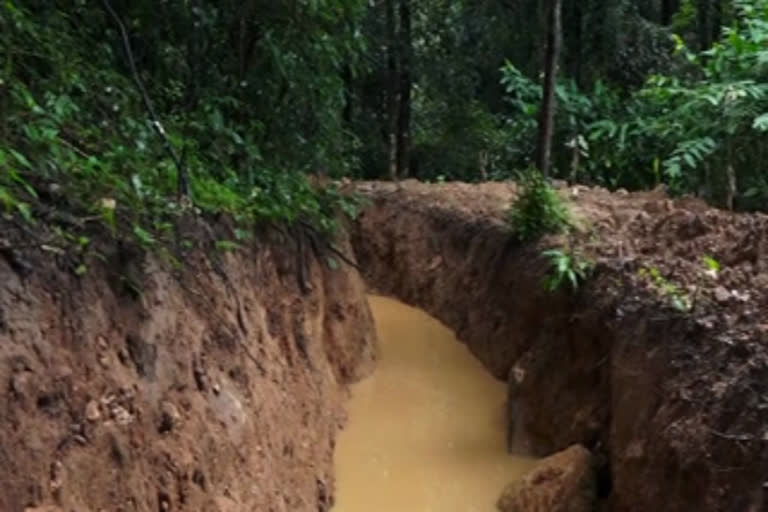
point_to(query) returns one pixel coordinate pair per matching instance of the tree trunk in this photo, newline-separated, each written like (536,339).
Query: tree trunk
(404,130)
(392,88)
(346,115)
(717,20)
(578,36)
(547,113)
(704,23)
(730,175)
(668,10)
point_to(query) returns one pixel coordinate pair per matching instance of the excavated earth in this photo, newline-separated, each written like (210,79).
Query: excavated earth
(217,388)
(220,386)
(674,403)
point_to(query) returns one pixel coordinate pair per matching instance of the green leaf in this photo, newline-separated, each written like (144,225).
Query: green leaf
(711,264)
(333,264)
(25,211)
(20,159)
(143,236)
(227,245)
(761,123)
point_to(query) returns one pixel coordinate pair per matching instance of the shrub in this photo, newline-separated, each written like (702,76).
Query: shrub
(538,211)
(566,267)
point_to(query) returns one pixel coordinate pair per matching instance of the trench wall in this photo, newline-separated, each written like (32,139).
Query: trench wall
(218,388)
(605,367)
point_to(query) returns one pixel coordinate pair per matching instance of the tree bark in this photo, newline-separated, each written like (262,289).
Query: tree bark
(668,10)
(704,22)
(392,88)
(578,36)
(717,20)
(346,115)
(547,112)
(404,121)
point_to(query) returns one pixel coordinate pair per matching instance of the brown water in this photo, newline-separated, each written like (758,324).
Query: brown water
(426,432)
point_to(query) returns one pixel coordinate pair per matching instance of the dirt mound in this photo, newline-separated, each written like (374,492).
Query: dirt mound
(659,364)
(217,388)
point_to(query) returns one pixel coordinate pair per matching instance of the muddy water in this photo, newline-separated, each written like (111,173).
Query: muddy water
(426,432)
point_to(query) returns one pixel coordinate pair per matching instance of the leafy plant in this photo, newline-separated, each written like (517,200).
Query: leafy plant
(538,211)
(566,267)
(711,265)
(677,297)
(76,138)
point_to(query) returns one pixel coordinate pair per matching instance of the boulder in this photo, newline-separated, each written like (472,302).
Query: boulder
(564,482)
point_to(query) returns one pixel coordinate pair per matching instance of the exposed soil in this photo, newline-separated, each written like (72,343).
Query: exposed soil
(218,388)
(674,403)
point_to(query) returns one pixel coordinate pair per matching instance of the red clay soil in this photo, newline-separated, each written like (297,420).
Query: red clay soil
(674,403)
(219,388)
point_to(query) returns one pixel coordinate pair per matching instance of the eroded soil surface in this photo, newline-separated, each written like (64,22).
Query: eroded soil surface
(216,388)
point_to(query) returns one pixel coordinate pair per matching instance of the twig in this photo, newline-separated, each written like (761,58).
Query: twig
(735,437)
(328,245)
(343,256)
(181,173)
(74,148)
(301,263)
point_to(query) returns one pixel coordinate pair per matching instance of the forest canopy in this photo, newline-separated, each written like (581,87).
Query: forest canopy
(126,111)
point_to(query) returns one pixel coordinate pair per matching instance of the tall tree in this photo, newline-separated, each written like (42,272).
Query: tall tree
(404,121)
(709,22)
(393,88)
(547,111)
(668,10)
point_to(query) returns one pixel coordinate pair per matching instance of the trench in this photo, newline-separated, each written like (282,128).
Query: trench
(114,402)
(609,368)
(427,430)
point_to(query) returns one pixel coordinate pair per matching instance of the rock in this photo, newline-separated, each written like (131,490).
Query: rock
(92,412)
(722,295)
(44,508)
(21,383)
(564,482)
(169,416)
(57,476)
(121,415)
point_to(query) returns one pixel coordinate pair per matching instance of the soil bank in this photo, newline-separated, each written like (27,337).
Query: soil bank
(218,388)
(674,404)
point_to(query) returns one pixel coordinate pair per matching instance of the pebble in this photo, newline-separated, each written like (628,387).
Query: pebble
(170,416)
(722,295)
(122,416)
(92,412)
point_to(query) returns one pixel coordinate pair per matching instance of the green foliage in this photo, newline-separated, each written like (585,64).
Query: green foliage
(711,266)
(698,127)
(538,211)
(566,267)
(257,94)
(667,290)
(250,115)
(692,129)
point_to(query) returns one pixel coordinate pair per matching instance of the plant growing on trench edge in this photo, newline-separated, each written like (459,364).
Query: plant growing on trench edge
(538,211)
(567,266)
(677,297)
